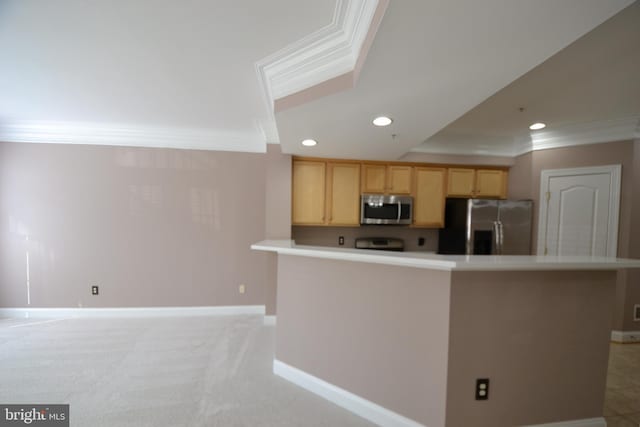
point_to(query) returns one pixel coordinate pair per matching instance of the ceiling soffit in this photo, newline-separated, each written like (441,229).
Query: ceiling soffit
(573,134)
(331,53)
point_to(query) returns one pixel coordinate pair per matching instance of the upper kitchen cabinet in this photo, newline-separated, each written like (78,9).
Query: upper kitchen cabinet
(466,182)
(429,197)
(325,193)
(343,194)
(308,192)
(491,183)
(386,179)
(460,182)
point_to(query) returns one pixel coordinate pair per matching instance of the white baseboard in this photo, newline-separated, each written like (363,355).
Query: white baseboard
(270,320)
(625,336)
(587,422)
(356,404)
(56,313)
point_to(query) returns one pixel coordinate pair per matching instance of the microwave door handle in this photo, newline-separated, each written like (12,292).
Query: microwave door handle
(501,236)
(399,211)
(496,238)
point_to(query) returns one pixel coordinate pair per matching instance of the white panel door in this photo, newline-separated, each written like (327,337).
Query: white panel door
(579,211)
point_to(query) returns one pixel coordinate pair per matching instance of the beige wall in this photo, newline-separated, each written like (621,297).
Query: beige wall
(542,338)
(277,215)
(414,340)
(524,182)
(632,291)
(278,194)
(378,331)
(328,236)
(151,227)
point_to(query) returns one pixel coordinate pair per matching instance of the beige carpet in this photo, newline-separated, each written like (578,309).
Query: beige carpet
(181,371)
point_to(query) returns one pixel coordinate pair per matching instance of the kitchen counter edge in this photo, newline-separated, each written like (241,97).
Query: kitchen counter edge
(449,262)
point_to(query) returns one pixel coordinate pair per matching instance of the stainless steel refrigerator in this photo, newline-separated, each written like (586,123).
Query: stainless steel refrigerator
(486,227)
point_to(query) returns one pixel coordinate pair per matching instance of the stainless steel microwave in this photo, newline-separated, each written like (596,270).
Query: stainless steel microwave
(381,209)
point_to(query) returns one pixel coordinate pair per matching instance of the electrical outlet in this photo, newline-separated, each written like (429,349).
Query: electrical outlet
(420,241)
(241,289)
(482,389)
(95,290)
(341,240)
(636,312)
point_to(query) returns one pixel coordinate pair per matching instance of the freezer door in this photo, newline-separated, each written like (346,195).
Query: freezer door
(515,218)
(482,215)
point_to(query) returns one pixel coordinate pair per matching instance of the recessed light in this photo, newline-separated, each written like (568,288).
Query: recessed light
(309,142)
(537,126)
(382,121)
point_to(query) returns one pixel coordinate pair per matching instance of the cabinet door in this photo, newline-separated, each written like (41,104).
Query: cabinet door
(429,197)
(399,179)
(343,193)
(308,191)
(491,183)
(460,182)
(374,178)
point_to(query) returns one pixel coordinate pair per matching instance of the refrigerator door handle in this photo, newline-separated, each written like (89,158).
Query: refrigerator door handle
(496,238)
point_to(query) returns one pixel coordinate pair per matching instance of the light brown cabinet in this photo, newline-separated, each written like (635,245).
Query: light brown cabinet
(429,197)
(343,194)
(467,182)
(491,183)
(386,179)
(325,193)
(308,192)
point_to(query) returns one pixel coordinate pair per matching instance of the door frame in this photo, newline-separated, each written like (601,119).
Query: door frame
(614,171)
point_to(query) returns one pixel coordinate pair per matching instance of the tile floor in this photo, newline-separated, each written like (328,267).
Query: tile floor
(622,398)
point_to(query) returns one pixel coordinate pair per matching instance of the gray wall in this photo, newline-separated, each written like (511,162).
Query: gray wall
(524,182)
(151,227)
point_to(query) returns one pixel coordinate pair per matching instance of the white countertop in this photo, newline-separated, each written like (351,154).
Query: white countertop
(449,262)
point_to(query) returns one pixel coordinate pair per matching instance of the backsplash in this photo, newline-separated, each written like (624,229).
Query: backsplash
(328,236)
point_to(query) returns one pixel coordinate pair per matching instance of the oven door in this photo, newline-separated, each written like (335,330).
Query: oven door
(380,209)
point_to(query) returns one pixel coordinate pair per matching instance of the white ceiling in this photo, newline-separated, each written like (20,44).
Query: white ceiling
(149,67)
(183,74)
(431,62)
(591,89)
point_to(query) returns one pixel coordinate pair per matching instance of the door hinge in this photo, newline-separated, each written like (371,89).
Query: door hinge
(548,195)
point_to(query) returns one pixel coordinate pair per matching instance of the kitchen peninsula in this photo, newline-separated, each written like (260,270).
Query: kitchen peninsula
(402,338)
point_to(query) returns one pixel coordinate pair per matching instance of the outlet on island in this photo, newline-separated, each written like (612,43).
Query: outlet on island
(482,389)
(95,290)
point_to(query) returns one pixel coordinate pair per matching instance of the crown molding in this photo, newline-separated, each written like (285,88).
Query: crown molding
(133,136)
(269,131)
(327,53)
(457,151)
(575,134)
(620,129)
